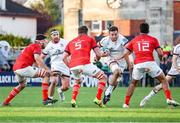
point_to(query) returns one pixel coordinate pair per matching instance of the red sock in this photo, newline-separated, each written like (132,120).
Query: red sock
(168,94)
(75,91)
(101,86)
(44,91)
(127,99)
(11,95)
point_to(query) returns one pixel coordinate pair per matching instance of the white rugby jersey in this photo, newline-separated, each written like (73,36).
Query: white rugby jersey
(115,48)
(55,50)
(177,52)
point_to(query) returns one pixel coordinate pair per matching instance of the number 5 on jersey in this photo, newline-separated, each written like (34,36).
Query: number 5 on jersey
(78,45)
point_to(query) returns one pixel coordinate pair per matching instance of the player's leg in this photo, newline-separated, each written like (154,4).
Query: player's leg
(137,75)
(113,82)
(54,81)
(167,92)
(154,91)
(16,90)
(45,85)
(64,87)
(92,70)
(21,75)
(129,93)
(157,73)
(65,78)
(76,73)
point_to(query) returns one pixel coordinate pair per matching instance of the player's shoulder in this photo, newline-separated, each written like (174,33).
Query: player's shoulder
(177,47)
(50,44)
(122,39)
(152,38)
(33,45)
(105,39)
(63,40)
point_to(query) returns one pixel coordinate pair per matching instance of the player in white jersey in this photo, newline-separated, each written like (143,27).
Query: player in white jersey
(55,49)
(114,43)
(174,71)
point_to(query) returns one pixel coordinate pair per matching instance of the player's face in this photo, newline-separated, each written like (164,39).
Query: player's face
(44,43)
(55,37)
(113,35)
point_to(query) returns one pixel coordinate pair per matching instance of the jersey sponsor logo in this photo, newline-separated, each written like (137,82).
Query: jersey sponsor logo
(57,52)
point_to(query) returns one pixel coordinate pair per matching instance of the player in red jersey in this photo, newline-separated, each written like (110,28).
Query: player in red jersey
(143,46)
(23,66)
(79,63)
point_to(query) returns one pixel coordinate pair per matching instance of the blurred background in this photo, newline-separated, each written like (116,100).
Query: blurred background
(21,20)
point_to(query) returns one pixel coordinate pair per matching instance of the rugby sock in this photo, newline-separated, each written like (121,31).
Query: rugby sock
(168,94)
(11,95)
(109,90)
(50,97)
(44,91)
(127,99)
(75,91)
(151,94)
(101,86)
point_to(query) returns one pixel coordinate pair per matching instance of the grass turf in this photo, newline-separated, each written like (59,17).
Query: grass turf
(27,107)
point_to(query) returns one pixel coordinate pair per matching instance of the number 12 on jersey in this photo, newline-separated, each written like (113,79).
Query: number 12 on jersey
(143,46)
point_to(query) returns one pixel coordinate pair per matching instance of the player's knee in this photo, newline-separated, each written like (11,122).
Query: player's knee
(22,85)
(134,82)
(78,81)
(117,72)
(42,73)
(65,88)
(54,82)
(101,76)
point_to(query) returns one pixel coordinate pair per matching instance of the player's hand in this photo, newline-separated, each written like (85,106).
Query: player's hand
(96,58)
(130,66)
(178,68)
(104,54)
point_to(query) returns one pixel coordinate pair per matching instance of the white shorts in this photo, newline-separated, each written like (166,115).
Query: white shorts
(88,69)
(24,73)
(61,67)
(121,65)
(140,69)
(173,72)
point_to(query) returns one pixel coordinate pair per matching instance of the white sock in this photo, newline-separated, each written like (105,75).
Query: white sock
(151,94)
(59,90)
(109,90)
(158,88)
(50,97)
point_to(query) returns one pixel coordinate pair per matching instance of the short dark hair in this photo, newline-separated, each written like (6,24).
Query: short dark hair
(82,29)
(113,28)
(144,28)
(40,37)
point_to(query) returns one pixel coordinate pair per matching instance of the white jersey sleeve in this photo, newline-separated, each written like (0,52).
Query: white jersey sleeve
(177,50)
(47,49)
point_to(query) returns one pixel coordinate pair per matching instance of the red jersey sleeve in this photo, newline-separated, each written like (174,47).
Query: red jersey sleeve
(67,49)
(129,46)
(93,43)
(156,43)
(37,49)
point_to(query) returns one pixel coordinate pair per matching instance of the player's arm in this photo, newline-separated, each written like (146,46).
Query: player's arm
(65,58)
(43,55)
(159,52)
(99,53)
(40,62)
(174,61)
(125,55)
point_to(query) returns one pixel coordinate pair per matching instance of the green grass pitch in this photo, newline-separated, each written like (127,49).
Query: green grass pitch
(27,107)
